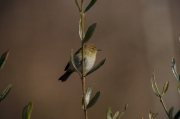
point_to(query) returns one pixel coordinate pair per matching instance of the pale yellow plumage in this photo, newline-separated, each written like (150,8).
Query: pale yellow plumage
(90,51)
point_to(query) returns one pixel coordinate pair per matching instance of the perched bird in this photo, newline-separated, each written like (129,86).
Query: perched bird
(90,51)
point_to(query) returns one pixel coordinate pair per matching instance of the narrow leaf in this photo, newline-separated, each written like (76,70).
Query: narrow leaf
(3,59)
(96,67)
(154,85)
(121,115)
(152,115)
(171,113)
(89,32)
(82,102)
(155,114)
(177,116)
(179,88)
(72,61)
(173,65)
(90,5)
(126,106)
(165,88)
(116,115)
(77,4)
(109,113)
(30,108)
(154,88)
(26,114)
(5,92)
(88,93)
(93,100)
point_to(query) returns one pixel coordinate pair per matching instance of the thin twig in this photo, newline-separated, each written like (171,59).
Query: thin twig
(162,102)
(161,99)
(83,78)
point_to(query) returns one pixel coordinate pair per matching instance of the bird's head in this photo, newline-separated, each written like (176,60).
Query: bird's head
(91,48)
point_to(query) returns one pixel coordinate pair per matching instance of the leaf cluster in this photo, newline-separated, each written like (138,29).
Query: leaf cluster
(88,101)
(155,87)
(117,115)
(164,90)
(152,115)
(88,7)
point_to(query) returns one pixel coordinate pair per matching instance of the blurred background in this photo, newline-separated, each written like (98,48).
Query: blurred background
(135,36)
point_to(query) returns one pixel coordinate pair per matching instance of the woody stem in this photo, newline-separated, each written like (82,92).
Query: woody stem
(83,78)
(164,106)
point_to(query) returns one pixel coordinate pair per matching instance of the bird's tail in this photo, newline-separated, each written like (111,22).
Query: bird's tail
(65,76)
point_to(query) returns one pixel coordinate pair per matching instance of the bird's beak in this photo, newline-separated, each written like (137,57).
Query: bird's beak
(99,50)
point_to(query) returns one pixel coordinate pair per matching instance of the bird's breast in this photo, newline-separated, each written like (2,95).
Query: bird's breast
(89,62)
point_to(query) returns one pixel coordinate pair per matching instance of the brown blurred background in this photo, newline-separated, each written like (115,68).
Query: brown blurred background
(135,36)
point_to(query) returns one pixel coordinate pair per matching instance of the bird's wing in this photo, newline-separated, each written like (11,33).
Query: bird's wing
(68,64)
(78,51)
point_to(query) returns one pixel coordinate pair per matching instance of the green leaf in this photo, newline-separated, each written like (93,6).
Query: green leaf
(72,61)
(155,115)
(116,115)
(3,59)
(173,65)
(121,115)
(24,113)
(154,85)
(126,106)
(96,67)
(88,93)
(5,92)
(177,116)
(171,113)
(90,5)
(93,100)
(89,32)
(178,88)
(77,4)
(152,115)
(165,88)
(30,108)
(27,111)
(109,113)
(154,88)
(82,102)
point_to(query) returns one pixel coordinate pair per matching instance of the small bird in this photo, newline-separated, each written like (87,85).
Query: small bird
(90,51)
